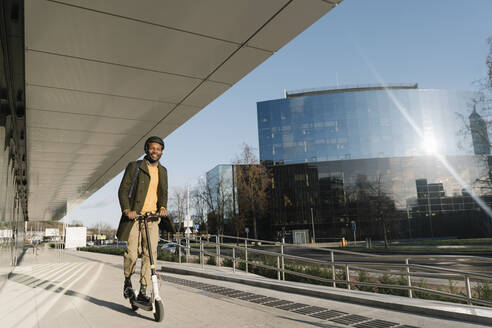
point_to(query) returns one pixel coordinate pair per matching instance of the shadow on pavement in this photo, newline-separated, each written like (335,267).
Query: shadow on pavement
(33,282)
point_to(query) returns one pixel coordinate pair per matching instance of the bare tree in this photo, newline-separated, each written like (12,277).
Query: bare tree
(103,228)
(178,205)
(253,183)
(217,195)
(199,205)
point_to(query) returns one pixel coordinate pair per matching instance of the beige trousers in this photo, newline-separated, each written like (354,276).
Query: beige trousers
(137,244)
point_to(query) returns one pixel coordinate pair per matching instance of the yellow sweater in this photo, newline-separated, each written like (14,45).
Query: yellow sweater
(150,204)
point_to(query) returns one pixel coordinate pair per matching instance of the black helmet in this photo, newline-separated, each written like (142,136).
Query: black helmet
(153,139)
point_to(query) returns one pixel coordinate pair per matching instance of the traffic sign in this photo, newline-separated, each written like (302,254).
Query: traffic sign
(188,222)
(353,225)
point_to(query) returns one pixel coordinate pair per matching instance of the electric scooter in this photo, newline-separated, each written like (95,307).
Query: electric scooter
(157,304)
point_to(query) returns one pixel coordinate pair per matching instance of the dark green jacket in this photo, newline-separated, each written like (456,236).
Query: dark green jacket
(136,202)
(141,187)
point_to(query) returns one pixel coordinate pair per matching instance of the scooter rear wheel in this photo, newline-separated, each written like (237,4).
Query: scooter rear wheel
(159,311)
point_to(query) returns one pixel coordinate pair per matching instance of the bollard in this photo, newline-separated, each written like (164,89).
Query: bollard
(234,259)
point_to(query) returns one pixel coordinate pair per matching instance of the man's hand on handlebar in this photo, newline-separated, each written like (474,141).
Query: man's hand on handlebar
(132,215)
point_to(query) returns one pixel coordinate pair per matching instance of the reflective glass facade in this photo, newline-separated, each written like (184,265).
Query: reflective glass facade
(415,196)
(368,155)
(364,124)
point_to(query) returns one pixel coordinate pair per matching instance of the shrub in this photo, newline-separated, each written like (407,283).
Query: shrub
(211,260)
(484,291)
(168,256)
(103,250)
(227,262)
(364,277)
(387,279)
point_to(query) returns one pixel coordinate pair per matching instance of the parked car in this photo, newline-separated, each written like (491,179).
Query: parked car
(170,247)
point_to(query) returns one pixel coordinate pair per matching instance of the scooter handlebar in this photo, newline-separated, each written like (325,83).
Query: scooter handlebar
(149,216)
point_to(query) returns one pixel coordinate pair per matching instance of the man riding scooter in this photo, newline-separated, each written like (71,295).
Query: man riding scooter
(143,189)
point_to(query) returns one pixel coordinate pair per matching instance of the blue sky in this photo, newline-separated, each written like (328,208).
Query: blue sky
(435,43)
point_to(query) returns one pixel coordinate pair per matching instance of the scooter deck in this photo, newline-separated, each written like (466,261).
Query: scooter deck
(145,307)
(134,303)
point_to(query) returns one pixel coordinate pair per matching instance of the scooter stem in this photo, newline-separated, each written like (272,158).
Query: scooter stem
(155,285)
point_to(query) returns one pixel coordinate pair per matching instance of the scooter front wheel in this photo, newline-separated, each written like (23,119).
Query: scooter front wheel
(159,311)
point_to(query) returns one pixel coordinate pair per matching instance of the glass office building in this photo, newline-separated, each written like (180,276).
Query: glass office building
(397,156)
(364,122)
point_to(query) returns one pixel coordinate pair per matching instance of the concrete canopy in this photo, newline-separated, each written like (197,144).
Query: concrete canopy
(102,76)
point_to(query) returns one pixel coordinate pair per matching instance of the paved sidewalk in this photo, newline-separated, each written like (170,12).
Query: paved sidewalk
(80,289)
(447,310)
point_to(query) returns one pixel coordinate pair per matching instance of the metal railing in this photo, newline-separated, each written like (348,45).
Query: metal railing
(245,251)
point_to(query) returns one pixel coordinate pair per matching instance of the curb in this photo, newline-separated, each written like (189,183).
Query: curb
(301,290)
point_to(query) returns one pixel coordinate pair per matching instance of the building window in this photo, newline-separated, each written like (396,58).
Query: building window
(384,121)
